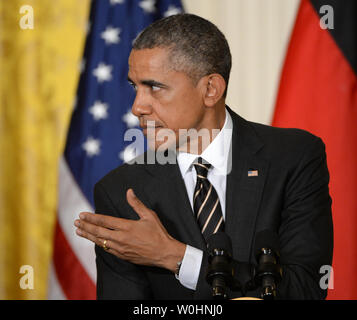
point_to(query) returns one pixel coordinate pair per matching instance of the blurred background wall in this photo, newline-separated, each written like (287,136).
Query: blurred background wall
(258,32)
(39,70)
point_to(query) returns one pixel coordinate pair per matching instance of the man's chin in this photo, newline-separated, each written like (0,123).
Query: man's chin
(160,139)
(161,146)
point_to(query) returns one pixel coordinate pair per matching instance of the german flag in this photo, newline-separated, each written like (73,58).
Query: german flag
(318,93)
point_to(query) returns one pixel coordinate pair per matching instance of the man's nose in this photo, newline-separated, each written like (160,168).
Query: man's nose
(141,105)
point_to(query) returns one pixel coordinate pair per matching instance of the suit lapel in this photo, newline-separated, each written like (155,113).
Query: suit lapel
(244,191)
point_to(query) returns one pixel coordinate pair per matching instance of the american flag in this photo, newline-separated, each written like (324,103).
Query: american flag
(95,142)
(252,173)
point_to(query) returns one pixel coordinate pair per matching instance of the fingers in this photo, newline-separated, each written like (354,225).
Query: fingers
(137,241)
(109,240)
(107,245)
(102,237)
(105,221)
(92,231)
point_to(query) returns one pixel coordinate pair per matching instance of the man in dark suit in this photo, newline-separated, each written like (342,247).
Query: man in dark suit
(153,220)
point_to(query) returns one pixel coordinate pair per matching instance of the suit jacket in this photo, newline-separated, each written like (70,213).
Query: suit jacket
(289,196)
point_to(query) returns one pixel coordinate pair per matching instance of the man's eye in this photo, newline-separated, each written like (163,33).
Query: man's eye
(155,88)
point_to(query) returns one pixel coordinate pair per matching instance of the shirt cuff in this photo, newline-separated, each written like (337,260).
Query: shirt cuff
(190,267)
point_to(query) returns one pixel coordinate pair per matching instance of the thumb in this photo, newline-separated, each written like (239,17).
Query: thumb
(136,204)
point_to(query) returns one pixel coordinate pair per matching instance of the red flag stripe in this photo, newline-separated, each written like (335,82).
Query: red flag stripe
(318,93)
(74,280)
(70,203)
(71,253)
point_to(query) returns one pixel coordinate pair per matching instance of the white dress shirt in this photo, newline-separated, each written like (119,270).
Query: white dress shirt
(216,154)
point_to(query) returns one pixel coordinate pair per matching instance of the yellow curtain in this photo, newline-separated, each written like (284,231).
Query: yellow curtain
(39,70)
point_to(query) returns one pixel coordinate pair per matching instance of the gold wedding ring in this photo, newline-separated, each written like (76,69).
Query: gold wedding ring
(105,245)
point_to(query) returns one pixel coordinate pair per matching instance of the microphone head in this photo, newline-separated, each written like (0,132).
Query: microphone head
(266,239)
(221,241)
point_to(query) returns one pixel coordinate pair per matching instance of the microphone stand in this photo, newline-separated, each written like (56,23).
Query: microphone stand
(220,273)
(268,273)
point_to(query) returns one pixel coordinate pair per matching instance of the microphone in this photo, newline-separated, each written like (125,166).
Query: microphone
(268,272)
(220,270)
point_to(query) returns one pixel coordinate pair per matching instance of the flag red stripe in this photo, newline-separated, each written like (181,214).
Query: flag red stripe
(318,92)
(73,278)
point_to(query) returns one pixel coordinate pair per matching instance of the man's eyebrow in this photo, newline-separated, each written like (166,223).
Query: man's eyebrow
(153,83)
(150,83)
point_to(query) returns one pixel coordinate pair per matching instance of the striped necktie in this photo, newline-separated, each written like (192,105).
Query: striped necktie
(207,207)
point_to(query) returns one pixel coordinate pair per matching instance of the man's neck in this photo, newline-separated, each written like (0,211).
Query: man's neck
(196,141)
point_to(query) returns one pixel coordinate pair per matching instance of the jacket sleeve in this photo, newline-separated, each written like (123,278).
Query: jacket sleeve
(306,230)
(116,278)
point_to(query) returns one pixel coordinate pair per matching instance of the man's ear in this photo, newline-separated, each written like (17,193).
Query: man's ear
(214,87)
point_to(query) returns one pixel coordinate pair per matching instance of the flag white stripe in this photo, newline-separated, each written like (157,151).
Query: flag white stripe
(55,291)
(71,202)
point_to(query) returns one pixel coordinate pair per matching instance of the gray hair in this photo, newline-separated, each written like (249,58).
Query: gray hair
(197,47)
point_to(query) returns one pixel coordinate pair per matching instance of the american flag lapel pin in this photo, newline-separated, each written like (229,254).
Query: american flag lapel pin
(252,173)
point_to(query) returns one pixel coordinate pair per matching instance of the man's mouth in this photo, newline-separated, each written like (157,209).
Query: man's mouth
(150,127)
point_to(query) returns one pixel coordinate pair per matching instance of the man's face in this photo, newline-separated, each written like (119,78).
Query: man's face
(168,97)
